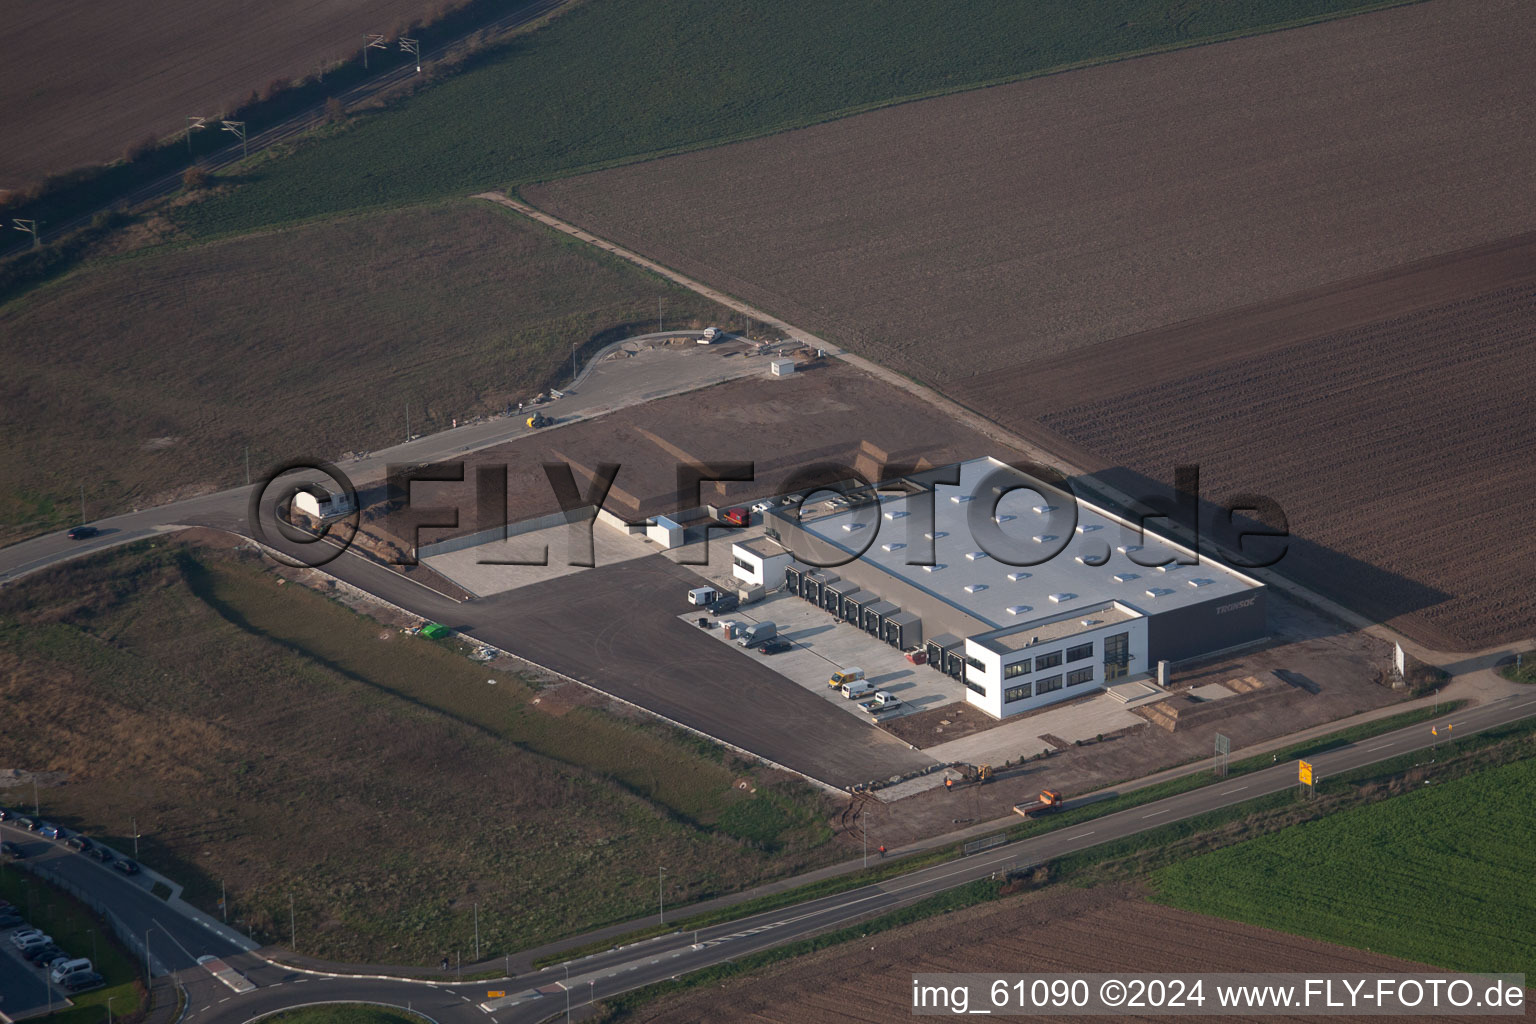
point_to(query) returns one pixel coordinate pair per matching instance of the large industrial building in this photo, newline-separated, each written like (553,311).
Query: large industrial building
(1024,593)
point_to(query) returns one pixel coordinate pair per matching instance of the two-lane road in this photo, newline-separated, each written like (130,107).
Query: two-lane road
(543,994)
(175,942)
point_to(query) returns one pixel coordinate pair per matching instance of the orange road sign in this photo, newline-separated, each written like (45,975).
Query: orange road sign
(495,993)
(1304,772)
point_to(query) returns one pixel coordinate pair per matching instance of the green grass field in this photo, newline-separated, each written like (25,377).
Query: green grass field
(286,746)
(147,376)
(617,80)
(1440,875)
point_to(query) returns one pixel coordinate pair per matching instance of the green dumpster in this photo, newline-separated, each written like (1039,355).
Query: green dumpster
(434,631)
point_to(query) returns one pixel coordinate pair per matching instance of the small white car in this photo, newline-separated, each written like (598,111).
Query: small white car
(762,506)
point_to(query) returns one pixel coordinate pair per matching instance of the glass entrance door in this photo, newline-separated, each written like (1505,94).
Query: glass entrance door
(1117,656)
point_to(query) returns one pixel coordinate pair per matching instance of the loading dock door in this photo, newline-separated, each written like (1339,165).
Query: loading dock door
(832,597)
(875,616)
(793,580)
(939,648)
(904,630)
(854,605)
(954,663)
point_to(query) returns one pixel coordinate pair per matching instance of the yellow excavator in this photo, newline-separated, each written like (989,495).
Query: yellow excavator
(976,772)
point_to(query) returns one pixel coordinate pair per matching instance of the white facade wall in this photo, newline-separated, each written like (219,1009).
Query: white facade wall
(992,678)
(665,532)
(766,571)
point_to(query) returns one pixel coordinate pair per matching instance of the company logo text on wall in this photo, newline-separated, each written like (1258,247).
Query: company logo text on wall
(1235,605)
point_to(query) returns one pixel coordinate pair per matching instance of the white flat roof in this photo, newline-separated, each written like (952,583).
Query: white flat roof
(1016,638)
(1002,594)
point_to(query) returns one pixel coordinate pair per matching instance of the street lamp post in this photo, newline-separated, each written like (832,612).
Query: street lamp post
(661,906)
(109,1008)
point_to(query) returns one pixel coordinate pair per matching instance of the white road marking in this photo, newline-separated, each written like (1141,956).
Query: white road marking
(1152,815)
(1078,836)
(1237,789)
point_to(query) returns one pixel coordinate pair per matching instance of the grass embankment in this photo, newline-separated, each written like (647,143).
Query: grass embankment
(346,1013)
(151,374)
(1522,671)
(1025,829)
(1378,835)
(272,739)
(79,932)
(619,80)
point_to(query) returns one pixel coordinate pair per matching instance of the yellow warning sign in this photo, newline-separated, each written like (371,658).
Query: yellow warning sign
(496,993)
(1304,772)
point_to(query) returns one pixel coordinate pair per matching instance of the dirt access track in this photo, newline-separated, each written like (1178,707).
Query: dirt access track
(1003,244)
(1063,929)
(84,80)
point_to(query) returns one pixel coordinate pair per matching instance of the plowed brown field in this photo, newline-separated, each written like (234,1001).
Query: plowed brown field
(1061,254)
(1399,444)
(1061,930)
(97,78)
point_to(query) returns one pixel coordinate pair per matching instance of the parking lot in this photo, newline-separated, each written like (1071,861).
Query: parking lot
(35,936)
(822,646)
(618,628)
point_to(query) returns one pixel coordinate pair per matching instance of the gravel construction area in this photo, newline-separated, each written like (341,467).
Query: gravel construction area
(1296,260)
(830,415)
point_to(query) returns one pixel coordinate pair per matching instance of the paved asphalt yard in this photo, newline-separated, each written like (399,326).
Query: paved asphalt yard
(629,641)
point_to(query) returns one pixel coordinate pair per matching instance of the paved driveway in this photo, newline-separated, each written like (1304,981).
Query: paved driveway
(616,627)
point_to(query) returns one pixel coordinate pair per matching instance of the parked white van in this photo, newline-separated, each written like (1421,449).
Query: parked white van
(69,969)
(858,688)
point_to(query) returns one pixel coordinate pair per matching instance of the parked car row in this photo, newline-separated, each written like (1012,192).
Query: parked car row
(73,973)
(73,840)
